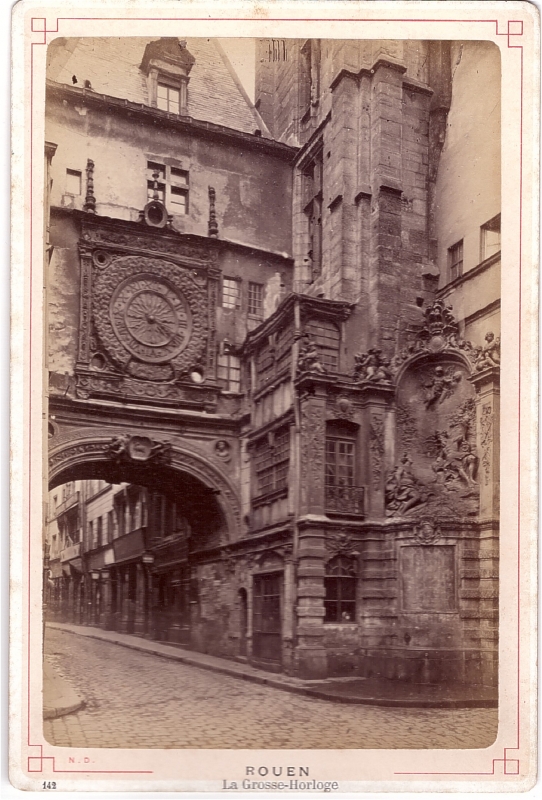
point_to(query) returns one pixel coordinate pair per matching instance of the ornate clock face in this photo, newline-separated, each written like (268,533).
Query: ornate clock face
(151,317)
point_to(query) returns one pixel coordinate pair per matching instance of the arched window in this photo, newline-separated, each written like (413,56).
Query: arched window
(340,590)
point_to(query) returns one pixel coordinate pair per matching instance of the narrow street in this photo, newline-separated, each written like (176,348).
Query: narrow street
(143,701)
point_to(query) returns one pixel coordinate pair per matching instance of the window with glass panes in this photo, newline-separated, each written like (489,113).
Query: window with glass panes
(255,299)
(326,337)
(169,185)
(340,461)
(340,590)
(231,293)
(272,461)
(455,260)
(490,238)
(168,98)
(312,181)
(229,371)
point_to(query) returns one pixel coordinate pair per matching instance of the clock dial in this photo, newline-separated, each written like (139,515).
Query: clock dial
(150,317)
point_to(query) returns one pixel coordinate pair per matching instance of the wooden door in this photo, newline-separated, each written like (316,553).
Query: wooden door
(267,619)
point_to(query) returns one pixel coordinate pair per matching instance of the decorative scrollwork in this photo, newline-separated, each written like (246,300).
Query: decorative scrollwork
(124,448)
(150,309)
(426,532)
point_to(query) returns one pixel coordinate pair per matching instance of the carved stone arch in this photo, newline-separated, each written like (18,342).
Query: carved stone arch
(91,447)
(424,358)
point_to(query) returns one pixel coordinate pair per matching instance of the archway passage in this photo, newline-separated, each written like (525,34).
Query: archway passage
(124,540)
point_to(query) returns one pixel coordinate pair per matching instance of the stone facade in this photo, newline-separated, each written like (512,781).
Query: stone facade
(285,359)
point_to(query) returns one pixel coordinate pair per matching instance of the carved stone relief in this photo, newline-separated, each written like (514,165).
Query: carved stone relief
(312,445)
(341,407)
(438,334)
(125,448)
(144,241)
(426,532)
(376,448)
(372,367)
(151,312)
(486,440)
(436,431)
(340,543)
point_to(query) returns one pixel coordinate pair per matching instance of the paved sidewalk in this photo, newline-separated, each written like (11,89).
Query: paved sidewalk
(59,697)
(371,691)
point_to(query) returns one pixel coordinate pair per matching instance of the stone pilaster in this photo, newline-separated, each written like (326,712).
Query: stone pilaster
(377,445)
(487,386)
(310,653)
(288,628)
(313,450)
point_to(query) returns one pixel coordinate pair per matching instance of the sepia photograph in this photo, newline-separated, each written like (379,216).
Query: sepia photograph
(271,421)
(273,358)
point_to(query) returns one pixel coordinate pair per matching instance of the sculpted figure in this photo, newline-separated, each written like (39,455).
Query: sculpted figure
(490,354)
(403,491)
(117,446)
(309,358)
(455,460)
(372,366)
(441,386)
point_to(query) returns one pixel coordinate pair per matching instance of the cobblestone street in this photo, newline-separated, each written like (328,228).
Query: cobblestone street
(139,700)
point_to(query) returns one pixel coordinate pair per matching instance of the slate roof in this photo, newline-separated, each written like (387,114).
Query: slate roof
(112,64)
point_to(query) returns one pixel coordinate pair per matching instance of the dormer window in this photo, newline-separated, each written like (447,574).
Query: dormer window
(168,98)
(167,64)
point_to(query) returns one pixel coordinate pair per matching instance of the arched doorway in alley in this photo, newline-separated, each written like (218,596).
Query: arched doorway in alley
(149,514)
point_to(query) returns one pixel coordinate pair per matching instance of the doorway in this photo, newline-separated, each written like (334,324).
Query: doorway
(267,620)
(243,622)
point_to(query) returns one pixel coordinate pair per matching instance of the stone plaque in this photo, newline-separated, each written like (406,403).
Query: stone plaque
(428,578)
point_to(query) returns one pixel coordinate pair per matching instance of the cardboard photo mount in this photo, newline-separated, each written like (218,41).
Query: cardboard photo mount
(53,364)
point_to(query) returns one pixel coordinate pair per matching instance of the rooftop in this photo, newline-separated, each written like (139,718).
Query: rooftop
(112,66)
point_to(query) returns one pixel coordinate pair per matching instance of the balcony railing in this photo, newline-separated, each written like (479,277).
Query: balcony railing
(345,500)
(73,551)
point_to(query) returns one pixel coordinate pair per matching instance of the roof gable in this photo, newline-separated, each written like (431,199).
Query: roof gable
(111,65)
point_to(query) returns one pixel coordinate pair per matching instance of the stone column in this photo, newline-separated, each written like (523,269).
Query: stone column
(487,386)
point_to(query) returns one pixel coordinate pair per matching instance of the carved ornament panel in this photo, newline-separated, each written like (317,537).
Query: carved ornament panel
(149,313)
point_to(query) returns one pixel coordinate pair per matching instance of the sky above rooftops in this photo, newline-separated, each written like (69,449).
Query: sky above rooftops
(242,55)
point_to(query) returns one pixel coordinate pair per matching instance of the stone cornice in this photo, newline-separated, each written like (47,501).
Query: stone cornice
(318,306)
(172,235)
(185,124)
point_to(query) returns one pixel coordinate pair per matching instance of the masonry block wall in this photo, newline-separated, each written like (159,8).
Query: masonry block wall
(370,107)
